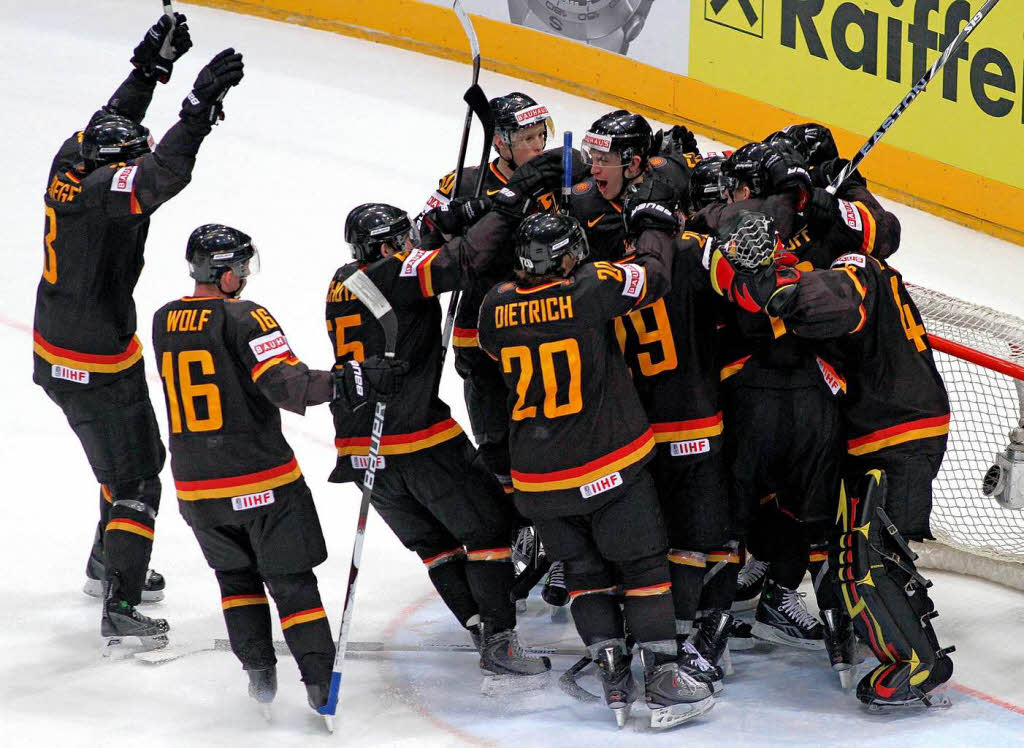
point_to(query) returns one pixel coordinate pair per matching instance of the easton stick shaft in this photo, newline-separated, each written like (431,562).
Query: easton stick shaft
(920,86)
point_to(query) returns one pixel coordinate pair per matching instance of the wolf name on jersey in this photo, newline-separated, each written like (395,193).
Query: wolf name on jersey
(577,425)
(670,349)
(895,394)
(95,233)
(227,368)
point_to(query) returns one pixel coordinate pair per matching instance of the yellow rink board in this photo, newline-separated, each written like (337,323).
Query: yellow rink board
(942,189)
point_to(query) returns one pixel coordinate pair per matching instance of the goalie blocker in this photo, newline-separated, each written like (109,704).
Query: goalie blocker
(888,601)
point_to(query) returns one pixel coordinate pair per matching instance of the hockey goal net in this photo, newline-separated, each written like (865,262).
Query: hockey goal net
(980,354)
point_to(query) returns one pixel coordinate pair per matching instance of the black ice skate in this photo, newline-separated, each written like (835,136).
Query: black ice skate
(741,636)
(263,688)
(782,618)
(95,571)
(124,629)
(749,584)
(711,638)
(555,592)
(694,664)
(613,666)
(672,696)
(841,644)
(506,666)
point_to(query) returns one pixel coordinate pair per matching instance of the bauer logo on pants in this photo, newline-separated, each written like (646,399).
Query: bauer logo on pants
(606,483)
(690,447)
(252,500)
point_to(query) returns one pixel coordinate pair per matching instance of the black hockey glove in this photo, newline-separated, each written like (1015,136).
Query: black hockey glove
(543,174)
(822,212)
(823,175)
(204,102)
(147,57)
(679,141)
(785,175)
(376,378)
(458,215)
(651,204)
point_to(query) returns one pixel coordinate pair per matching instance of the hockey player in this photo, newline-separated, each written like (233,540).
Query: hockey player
(590,497)
(670,349)
(227,369)
(521,130)
(896,418)
(103,185)
(428,485)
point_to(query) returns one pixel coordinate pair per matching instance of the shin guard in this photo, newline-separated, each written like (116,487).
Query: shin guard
(128,535)
(447,572)
(304,624)
(247,616)
(491,575)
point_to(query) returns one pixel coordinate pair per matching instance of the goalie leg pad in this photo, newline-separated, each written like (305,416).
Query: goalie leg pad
(888,601)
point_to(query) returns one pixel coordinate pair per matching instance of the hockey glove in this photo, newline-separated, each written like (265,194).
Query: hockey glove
(743,266)
(204,104)
(822,211)
(458,215)
(146,57)
(679,141)
(376,378)
(651,204)
(787,175)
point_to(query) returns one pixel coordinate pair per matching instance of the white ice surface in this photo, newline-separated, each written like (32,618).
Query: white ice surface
(320,123)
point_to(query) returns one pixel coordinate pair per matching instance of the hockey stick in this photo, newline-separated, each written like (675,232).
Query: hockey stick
(171,654)
(566,170)
(477,105)
(165,49)
(917,89)
(364,289)
(567,682)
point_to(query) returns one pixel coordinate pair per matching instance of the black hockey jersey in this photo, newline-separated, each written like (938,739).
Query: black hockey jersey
(577,427)
(670,349)
(895,395)
(93,242)
(226,368)
(417,417)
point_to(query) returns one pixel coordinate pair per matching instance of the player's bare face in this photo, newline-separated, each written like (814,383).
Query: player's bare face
(740,193)
(607,170)
(529,142)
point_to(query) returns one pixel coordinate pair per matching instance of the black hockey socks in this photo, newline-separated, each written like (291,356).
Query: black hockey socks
(491,575)
(128,535)
(719,579)
(686,569)
(447,571)
(648,606)
(304,624)
(597,614)
(823,577)
(247,616)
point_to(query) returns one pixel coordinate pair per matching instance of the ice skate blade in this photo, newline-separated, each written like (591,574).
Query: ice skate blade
(771,634)
(937,701)
(845,673)
(725,662)
(265,712)
(621,712)
(521,606)
(329,722)
(742,605)
(494,684)
(741,643)
(664,717)
(120,647)
(94,588)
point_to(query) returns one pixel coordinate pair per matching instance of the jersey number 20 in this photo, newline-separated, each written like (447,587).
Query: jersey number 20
(573,399)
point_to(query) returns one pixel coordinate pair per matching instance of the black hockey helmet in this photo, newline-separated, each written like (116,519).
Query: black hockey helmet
(750,239)
(516,110)
(214,248)
(705,181)
(748,165)
(109,138)
(814,141)
(370,224)
(623,133)
(543,239)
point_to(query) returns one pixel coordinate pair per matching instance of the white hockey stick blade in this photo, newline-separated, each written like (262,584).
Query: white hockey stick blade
(368,293)
(467,26)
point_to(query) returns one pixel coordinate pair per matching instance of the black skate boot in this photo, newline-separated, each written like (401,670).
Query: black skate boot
(613,666)
(782,617)
(507,667)
(123,627)
(711,638)
(841,644)
(741,636)
(672,696)
(694,664)
(263,688)
(749,584)
(95,571)
(555,592)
